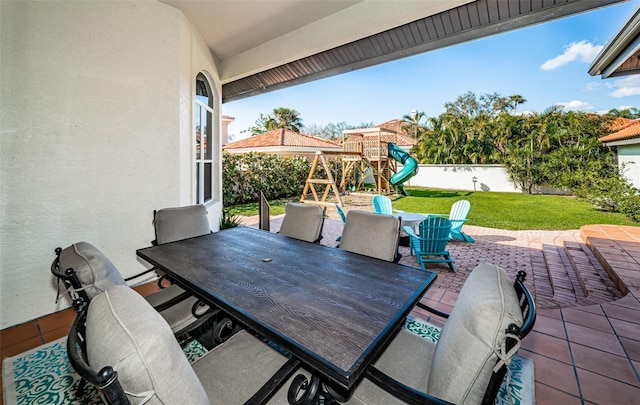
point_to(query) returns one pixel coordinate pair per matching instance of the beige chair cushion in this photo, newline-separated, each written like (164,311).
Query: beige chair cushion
(233,371)
(369,234)
(179,223)
(94,270)
(457,368)
(464,358)
(125,332)
(302,221)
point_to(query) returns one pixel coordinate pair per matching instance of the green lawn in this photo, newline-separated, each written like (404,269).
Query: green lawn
(512,211)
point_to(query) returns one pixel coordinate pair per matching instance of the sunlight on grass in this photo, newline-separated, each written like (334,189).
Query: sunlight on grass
(512,211)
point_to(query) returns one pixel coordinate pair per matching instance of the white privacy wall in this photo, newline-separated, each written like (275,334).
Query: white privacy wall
(96,123)
(460,177)
(629,162)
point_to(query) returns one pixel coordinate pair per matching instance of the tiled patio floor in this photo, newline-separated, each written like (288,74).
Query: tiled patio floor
(586,341)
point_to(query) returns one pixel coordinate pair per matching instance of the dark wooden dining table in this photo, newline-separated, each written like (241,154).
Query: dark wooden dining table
(333,310)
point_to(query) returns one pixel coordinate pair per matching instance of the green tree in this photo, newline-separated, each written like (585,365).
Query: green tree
(280,118)
(631,112)
(412,123)
(516,99)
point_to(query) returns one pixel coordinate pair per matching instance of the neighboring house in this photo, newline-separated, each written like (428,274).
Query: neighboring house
(283,142)
(627,142)
(401,138)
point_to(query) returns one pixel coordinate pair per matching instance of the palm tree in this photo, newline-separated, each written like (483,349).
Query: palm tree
(281,118)
(516,99)
(412,124)
(286,118)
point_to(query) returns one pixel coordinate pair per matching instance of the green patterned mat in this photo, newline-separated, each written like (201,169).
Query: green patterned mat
(44,376)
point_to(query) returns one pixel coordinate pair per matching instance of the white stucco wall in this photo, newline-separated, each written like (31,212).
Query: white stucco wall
(460,177)
(629,163)
(96,123)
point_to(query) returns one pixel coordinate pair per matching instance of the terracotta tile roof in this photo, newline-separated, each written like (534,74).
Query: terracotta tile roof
(629,131)
(281,137)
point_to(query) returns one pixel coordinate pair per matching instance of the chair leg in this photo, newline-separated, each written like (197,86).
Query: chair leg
(450,263)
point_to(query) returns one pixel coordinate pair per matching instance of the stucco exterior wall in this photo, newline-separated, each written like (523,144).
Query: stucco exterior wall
(629,162)
(460,177)
(96,123)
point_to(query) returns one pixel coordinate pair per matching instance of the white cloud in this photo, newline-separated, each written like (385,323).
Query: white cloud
(628,86)
(584,51)
(575,105)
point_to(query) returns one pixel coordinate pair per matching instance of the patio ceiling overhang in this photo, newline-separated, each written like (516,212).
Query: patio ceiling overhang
(621,55)
(261,46)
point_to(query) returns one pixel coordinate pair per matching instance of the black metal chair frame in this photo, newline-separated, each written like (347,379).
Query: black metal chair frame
(106,379)
(414,397)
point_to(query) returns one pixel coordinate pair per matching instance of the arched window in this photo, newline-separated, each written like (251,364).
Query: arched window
(204,140)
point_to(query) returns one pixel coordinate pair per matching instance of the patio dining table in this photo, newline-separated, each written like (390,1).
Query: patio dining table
(332,310)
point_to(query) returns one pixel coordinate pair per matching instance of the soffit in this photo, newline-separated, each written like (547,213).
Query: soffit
(621,55)
(261,46)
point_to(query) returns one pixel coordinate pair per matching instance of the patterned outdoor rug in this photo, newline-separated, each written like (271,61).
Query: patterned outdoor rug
(44,376)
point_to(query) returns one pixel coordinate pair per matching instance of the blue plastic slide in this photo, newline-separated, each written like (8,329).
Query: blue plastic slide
(409,169)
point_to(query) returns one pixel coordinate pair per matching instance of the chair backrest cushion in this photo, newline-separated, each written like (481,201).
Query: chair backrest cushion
(464,356)
(370,234)
(94,270)
(125,332)
(172,224)
(434,234)
(382,204)
(302,221)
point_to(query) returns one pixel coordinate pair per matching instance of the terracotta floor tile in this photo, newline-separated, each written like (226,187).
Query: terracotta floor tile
(594,338)
(604,363)
(56,320)
(606,391)
(626,329)
(547,346)
(553,373)
(20,347)
(549,395)
(587,319)
(619,312)
(550,326)
(594,309)
(550,313)
(18,333)
(632,347)
(56,334)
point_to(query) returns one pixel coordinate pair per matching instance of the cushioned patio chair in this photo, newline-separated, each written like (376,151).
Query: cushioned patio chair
(431,245)
(382,204)
(373,235)
(457,216)
(469,362)
(86,272)
(303,221)
(124,348)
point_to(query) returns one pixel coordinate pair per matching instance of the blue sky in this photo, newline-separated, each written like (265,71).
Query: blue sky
(546,64)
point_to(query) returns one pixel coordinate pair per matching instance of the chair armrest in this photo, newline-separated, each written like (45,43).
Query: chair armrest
(409,231)
(399,390)
(432,310)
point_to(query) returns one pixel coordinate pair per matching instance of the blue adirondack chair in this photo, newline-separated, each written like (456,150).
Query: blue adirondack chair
(382,204)
(431,245)
(457,216)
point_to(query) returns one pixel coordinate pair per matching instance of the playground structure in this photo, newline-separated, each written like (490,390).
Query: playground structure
(369,156)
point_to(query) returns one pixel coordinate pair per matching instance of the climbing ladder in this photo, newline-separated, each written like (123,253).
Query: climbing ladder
(329,182)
